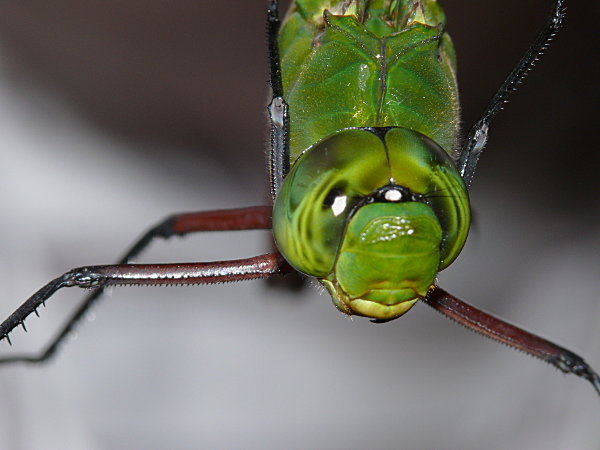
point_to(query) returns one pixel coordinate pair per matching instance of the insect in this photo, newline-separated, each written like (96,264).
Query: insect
(392,194)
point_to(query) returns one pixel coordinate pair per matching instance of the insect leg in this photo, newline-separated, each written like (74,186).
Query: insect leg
(477,137)
(273,24)
(279,157)
(498,330)
(258,217)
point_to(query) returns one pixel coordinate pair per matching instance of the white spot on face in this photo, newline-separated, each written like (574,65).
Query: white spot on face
(339,205)
(393,195)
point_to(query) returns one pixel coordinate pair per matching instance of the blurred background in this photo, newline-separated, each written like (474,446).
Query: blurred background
(115,114)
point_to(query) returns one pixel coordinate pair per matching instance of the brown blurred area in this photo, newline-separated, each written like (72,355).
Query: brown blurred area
(181,72)
(194,74)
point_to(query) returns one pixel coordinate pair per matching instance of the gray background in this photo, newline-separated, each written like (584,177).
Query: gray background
(115,114)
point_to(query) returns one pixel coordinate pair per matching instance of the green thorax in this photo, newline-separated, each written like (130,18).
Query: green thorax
(360,63)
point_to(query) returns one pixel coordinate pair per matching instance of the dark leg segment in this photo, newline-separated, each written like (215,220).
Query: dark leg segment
(273,24)
(498,330)
(258,217)
(477,137)
(279,158)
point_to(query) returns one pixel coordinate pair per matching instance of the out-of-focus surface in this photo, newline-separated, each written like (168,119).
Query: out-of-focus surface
(115,114)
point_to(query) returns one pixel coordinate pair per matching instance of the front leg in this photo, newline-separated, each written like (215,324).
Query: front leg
(99,277)
(515,337)
(252,218)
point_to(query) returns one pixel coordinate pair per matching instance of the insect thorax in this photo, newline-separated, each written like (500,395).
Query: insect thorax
(368,64)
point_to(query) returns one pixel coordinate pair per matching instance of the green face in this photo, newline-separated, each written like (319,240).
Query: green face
(376,251)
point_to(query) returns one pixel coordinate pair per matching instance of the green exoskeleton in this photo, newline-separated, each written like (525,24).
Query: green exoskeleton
(373,205)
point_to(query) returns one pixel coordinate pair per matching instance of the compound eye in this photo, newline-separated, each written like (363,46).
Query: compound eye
(318,194)
(423,166)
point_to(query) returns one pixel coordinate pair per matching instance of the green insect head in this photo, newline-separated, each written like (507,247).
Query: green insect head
(374,214)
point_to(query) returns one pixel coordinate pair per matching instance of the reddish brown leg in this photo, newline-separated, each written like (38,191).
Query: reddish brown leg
(99,277)
(510,335)
(252,218)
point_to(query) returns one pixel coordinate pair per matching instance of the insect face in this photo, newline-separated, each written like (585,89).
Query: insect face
(374,214)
